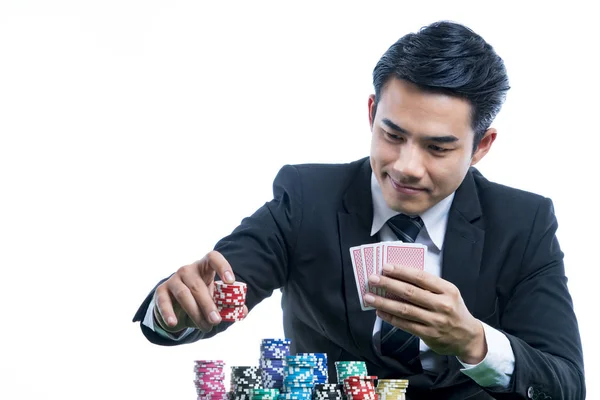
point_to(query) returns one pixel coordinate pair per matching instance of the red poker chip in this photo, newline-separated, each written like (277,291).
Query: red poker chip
(231,290)
(233,317)
(235,285)
(229,303)
(235,295)
(218,295)
(361,378)
(229,295)
(226,309)
(230,311)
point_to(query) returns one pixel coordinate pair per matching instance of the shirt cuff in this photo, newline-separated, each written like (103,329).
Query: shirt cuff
(496,369)
(149,322)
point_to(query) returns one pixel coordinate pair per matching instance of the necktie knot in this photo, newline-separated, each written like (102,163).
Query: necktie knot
(405,228)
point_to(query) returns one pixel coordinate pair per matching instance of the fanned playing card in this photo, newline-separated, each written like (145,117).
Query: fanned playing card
(368,256)
(360,275)
(404,254)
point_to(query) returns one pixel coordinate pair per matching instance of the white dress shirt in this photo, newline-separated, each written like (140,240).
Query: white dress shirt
(498,365)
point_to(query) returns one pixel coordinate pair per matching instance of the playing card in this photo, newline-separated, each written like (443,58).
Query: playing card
(360,275)
(379,264)
(369,263)
(405,254)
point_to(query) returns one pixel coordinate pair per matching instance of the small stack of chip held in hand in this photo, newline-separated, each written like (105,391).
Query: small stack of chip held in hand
(230,299)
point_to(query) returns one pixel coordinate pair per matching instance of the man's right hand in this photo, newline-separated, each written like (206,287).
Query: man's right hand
(185,300)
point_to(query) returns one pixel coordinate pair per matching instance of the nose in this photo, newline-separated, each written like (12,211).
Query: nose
(410,162)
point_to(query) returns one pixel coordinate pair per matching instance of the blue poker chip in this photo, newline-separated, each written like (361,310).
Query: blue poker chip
(318,356)
(274,355)
(283,341)
(298,389)
(308,357)
(295,396)
(275,371)
(269,365)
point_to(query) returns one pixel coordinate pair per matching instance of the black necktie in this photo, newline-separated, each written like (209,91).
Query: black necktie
(396,343)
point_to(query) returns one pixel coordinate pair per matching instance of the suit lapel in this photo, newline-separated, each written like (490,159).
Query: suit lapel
(463,243)
(354,224)
(463,248)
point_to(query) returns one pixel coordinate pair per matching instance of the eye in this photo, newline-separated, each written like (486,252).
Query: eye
(438,149)
(392,136)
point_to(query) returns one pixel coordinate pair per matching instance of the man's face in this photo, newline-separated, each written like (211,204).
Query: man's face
(421,146)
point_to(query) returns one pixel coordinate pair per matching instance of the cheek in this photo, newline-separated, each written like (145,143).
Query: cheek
(447,174)
(381,151)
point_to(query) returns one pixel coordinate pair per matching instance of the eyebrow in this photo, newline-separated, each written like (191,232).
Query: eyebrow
(438,139)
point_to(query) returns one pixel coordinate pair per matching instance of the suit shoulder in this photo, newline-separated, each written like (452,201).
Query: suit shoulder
(321,183)
(332,168)
(323,174)
(499,193)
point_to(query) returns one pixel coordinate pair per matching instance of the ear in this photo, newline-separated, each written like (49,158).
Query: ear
(372,109)
(484,145)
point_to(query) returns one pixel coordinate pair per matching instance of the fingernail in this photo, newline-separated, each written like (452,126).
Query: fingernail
(374,279)
(228,276)
(369,299)
(214,317)
(171,321)
(388,268)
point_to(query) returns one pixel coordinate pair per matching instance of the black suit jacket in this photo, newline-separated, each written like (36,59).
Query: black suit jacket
(500,250)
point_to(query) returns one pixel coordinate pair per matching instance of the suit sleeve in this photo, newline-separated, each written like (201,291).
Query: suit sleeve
(540,322)
(258,250)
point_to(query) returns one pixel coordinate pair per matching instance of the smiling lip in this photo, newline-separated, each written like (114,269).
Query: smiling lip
(405,189)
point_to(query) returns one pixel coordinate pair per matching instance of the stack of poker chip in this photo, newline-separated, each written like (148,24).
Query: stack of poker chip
(265,394)
(272,359)
(243,381)
(230,299)
(346,369)
(209,377)
(328,391)
(392,389)
(320,370)
(299,377)
(360,388)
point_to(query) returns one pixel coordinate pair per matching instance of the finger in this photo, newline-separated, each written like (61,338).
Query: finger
(400,309)
(221,266)
(202,307)
(413,327)
(165,306)
(182,294)
(406,291)
(417,277)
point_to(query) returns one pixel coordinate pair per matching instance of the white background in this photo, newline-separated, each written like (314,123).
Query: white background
(135,134)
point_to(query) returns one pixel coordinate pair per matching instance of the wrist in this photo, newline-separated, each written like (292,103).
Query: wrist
(476,349)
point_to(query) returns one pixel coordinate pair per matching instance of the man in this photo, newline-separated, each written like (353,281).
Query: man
(491,315)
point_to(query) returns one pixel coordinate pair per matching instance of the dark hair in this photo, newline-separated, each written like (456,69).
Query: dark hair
(447,57)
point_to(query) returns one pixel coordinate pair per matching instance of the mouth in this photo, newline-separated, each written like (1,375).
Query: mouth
(405,189)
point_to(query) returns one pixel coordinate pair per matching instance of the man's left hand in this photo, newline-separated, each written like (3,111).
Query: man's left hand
(433,310)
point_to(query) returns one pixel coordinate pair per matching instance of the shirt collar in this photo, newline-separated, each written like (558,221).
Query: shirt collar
(435,219)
